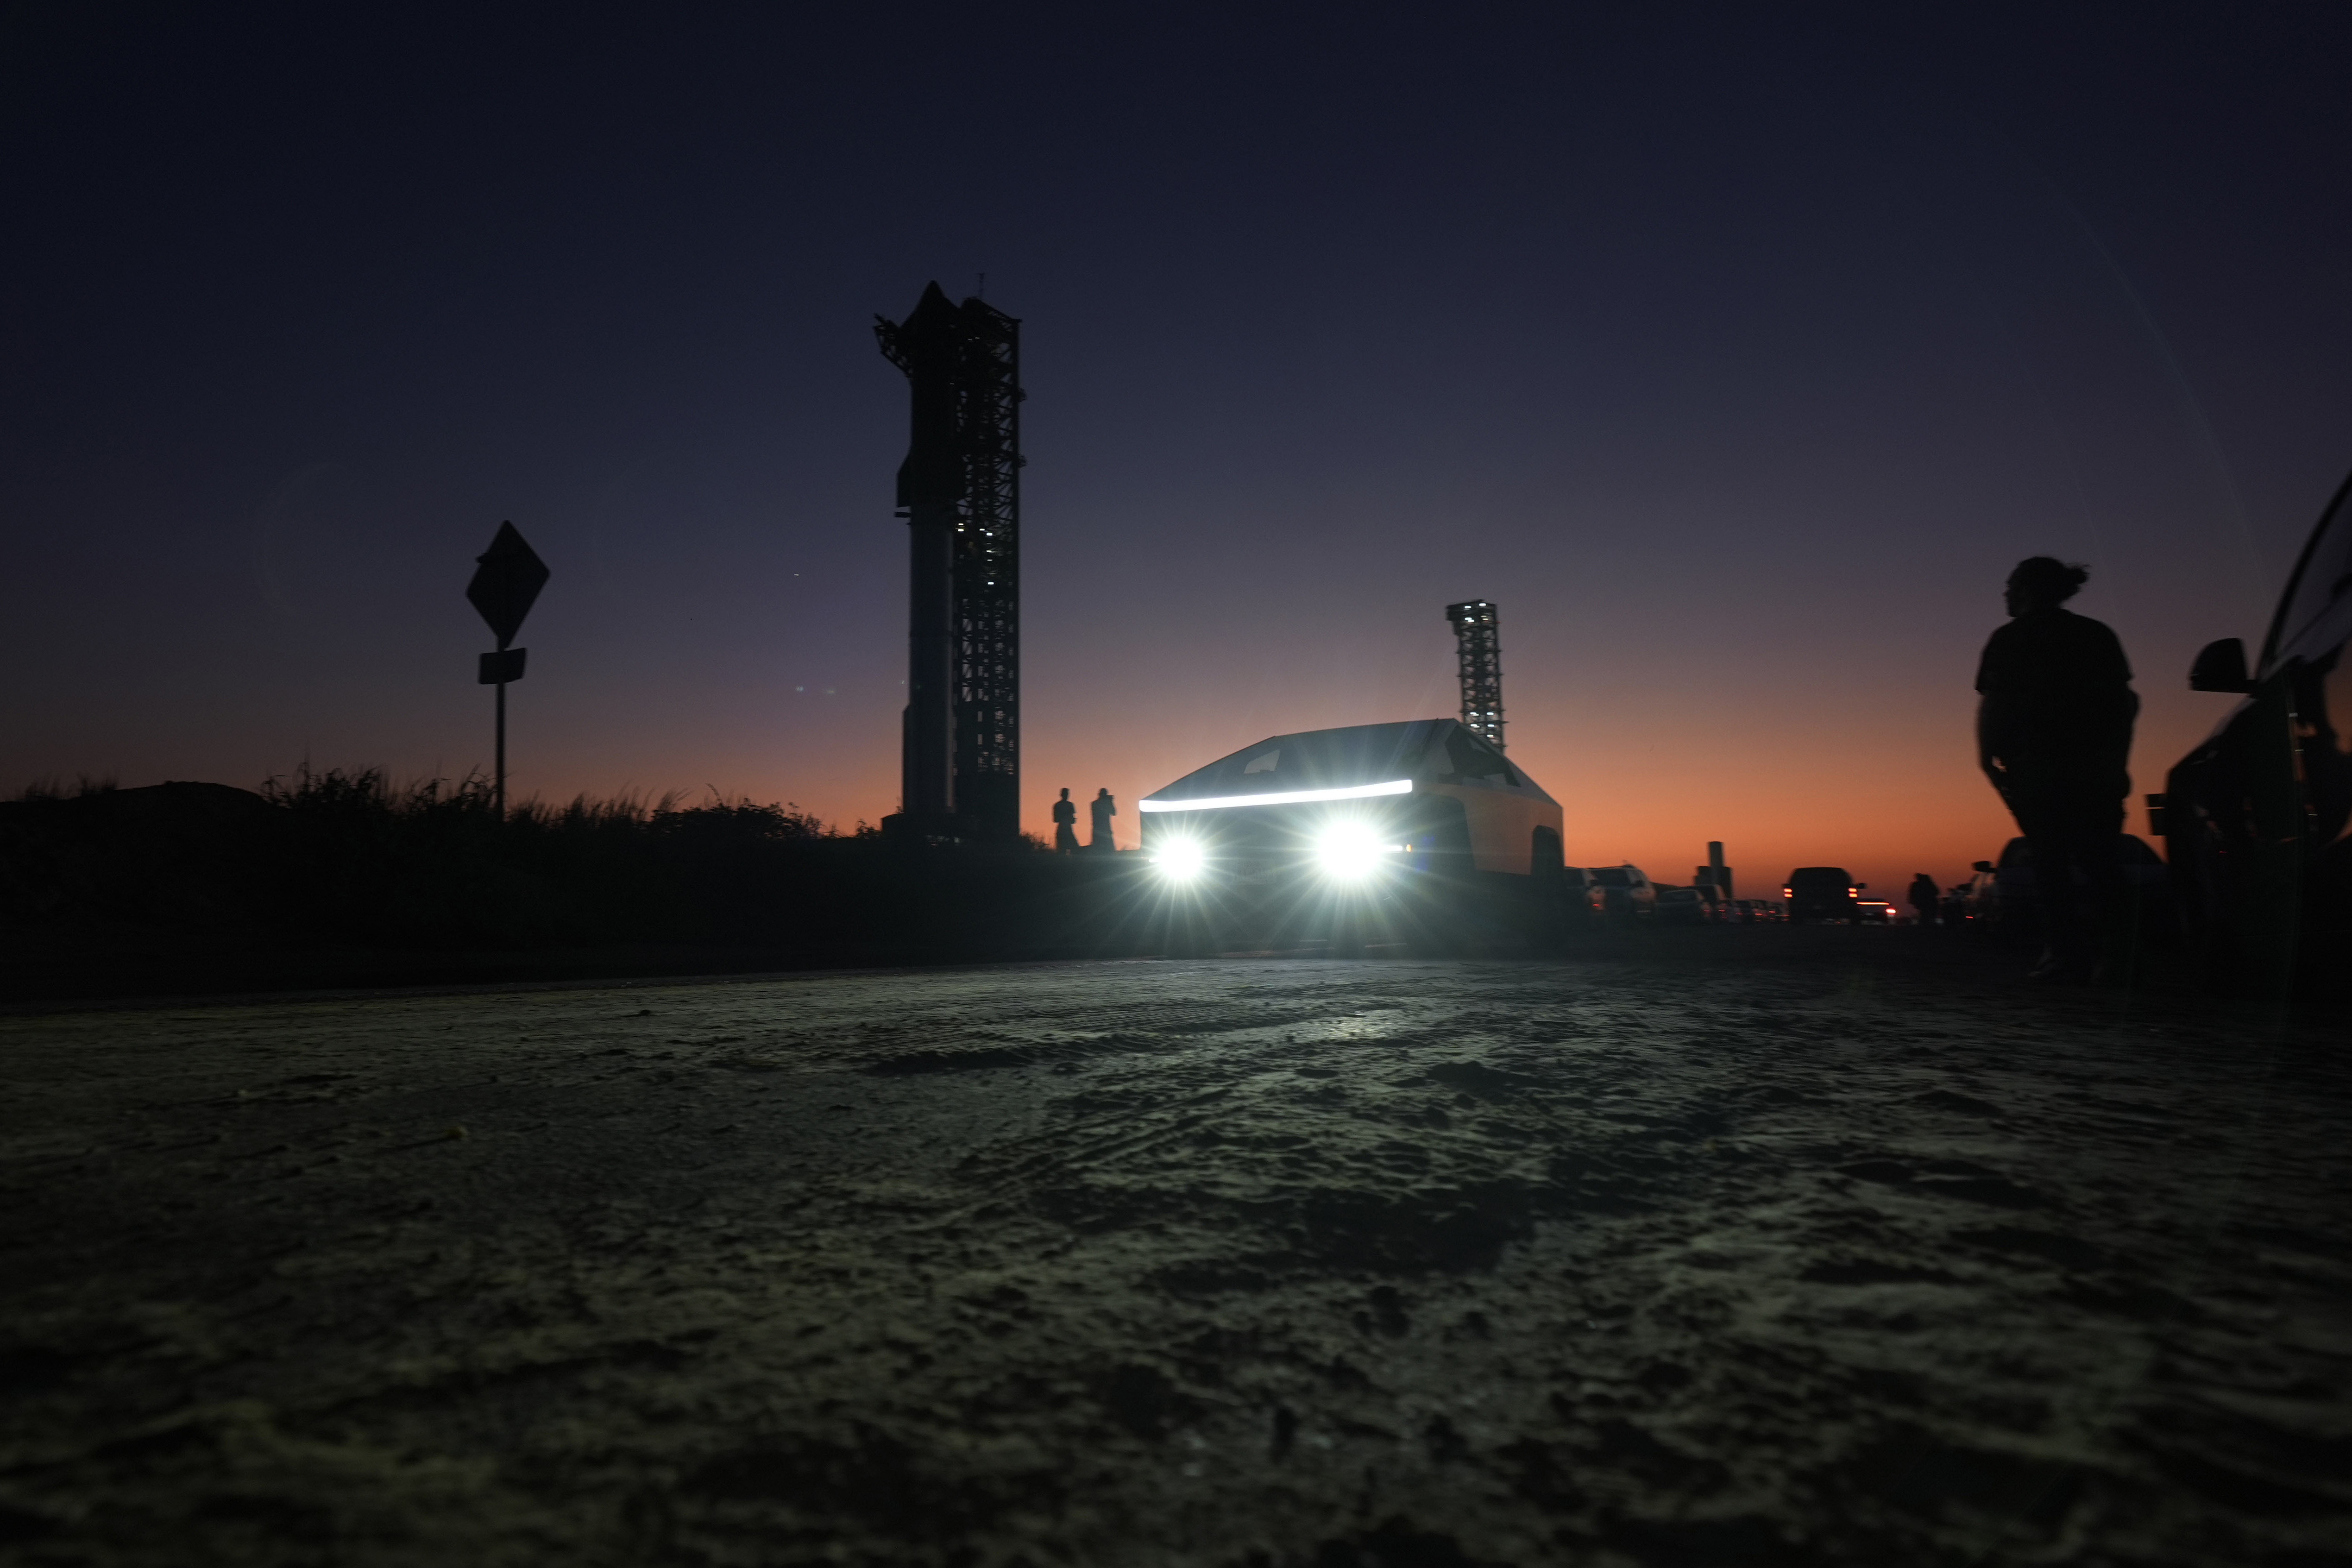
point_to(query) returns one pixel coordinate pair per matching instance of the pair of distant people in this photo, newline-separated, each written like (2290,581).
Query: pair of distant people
(1065,822)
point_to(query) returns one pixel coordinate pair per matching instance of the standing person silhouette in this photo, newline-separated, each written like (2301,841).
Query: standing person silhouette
(1924,896)
(1066,824)
(1103,808)
(2053,734)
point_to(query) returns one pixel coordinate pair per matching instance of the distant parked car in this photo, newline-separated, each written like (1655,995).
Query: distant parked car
(1755,912)
(1822,893)
(1957,899)
(1579,892)
(1681,906)
(2255,819)
(1873,911)
(1623,892)
(1972,901)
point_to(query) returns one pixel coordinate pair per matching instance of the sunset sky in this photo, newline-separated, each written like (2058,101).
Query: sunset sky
(1735,351)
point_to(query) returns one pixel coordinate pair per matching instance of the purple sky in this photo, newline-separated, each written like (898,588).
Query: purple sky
(1736,351)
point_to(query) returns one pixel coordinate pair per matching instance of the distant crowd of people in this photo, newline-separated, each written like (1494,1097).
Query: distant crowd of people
(1103,807)
(1952,907)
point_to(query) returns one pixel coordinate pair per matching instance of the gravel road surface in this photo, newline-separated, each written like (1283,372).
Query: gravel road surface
(1762,1247)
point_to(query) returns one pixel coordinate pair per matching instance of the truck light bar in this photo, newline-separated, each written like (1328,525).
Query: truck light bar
(1285,797)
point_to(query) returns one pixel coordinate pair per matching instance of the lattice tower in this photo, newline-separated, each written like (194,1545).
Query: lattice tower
(988,570)
(965,363)
(1477,635)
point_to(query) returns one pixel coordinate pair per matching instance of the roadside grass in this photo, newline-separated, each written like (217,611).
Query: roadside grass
(432,863)
(354,857)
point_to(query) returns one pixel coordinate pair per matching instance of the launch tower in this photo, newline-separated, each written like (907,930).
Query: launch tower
(1478,634)
(959,492)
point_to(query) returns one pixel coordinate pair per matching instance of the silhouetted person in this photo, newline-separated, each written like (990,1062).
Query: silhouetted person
(1066,824)
(2053,733)
(1924,896)
(1103,808)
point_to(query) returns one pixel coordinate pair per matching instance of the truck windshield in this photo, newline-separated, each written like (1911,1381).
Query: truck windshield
(2322,577)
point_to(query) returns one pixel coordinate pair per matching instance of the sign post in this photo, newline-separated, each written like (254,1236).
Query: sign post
(507,579)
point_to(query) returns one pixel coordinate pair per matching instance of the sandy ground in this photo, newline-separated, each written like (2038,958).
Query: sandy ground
(1764,1247)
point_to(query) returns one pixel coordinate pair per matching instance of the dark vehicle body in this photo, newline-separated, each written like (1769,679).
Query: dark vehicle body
(2255,819)
(2007,900)
(1450,840)
(1822,893)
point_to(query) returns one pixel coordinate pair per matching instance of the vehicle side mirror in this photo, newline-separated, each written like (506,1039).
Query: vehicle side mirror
(2220,667)
(1981,864)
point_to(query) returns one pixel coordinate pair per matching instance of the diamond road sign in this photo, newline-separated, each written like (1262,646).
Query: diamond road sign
(506,583)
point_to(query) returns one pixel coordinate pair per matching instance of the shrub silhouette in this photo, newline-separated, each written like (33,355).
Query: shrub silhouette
(432,864)
(352,859)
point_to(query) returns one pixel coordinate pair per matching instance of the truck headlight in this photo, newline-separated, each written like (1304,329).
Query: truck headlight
(1351,851)
(1180,860)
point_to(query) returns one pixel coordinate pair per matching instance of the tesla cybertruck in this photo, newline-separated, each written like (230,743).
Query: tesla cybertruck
(1418,833)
